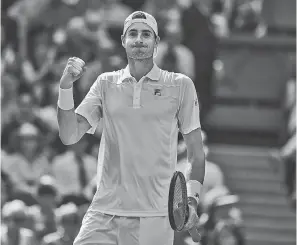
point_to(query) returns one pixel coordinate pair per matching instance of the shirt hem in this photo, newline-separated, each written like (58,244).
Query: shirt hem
(130,213)
(90,121)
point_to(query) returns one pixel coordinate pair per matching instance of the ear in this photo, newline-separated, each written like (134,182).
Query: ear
(123,41)
(157,40)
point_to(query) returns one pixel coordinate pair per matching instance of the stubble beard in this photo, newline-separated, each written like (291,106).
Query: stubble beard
(139,56)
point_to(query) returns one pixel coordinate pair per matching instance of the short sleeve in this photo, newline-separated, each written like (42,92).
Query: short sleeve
(91,106)
(188,114)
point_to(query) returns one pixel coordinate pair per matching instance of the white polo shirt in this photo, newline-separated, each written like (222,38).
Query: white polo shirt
(138,150)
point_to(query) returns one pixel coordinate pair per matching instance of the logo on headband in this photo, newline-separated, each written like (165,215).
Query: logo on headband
(138,15)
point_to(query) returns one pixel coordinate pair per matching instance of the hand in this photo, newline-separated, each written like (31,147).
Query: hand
(193,219)
(192,225)
(74,69)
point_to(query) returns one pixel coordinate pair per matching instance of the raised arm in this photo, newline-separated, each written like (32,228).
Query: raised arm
(73,124)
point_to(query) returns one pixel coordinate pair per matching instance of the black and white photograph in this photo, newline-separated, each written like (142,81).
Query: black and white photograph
(148,122)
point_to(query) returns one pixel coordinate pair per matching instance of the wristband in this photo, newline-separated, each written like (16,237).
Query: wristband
(65,101)
(194,189)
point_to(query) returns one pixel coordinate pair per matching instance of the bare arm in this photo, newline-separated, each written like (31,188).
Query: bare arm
(72,126)
(196,156)
(189,125)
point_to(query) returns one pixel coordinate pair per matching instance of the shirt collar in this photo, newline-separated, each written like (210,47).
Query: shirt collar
(154,74)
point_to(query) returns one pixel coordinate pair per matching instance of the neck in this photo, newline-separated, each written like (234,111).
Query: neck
(139,68)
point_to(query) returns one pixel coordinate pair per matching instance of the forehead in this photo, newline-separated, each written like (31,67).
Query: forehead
(139,26)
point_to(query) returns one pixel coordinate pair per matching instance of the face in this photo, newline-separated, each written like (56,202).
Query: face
(139,41)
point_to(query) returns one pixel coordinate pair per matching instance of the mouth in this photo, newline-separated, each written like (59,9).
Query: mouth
(138,46)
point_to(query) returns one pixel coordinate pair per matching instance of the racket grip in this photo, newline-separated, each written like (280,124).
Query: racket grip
(195,234)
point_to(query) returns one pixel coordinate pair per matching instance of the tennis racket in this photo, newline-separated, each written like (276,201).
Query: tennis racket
(178,208)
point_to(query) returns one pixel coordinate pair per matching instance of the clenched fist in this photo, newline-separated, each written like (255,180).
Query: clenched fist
(74,69)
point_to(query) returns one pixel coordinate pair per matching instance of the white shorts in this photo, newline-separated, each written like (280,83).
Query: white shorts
(103,229)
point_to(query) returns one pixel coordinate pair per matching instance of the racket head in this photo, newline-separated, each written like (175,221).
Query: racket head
(178,209)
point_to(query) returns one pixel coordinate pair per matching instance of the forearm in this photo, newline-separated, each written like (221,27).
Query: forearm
(197,161)
(67,119)
(198,167)
(72,125)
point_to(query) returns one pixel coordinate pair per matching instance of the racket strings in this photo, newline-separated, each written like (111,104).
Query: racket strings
(179,210)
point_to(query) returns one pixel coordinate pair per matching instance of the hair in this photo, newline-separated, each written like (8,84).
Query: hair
(138,15)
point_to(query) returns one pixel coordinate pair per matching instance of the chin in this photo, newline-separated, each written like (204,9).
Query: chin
(140,56)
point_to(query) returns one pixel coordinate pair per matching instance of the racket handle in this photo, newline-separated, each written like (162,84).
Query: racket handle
(195,234)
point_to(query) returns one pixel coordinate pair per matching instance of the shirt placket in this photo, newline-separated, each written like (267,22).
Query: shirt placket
(137,86)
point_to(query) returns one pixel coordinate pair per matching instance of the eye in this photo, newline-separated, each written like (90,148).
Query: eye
(147,34)
(132,33)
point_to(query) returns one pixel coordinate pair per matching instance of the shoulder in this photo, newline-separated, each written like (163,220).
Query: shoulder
(106,78)
(111,77)
(174,78)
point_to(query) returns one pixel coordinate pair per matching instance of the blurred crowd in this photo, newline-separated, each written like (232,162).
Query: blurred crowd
(287,152)
(46,186)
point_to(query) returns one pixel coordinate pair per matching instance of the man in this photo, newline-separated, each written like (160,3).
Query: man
(142,108)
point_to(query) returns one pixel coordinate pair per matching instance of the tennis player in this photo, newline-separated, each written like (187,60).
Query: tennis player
(142,108)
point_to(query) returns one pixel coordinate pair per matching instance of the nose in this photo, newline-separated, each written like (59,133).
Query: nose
(139,38)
